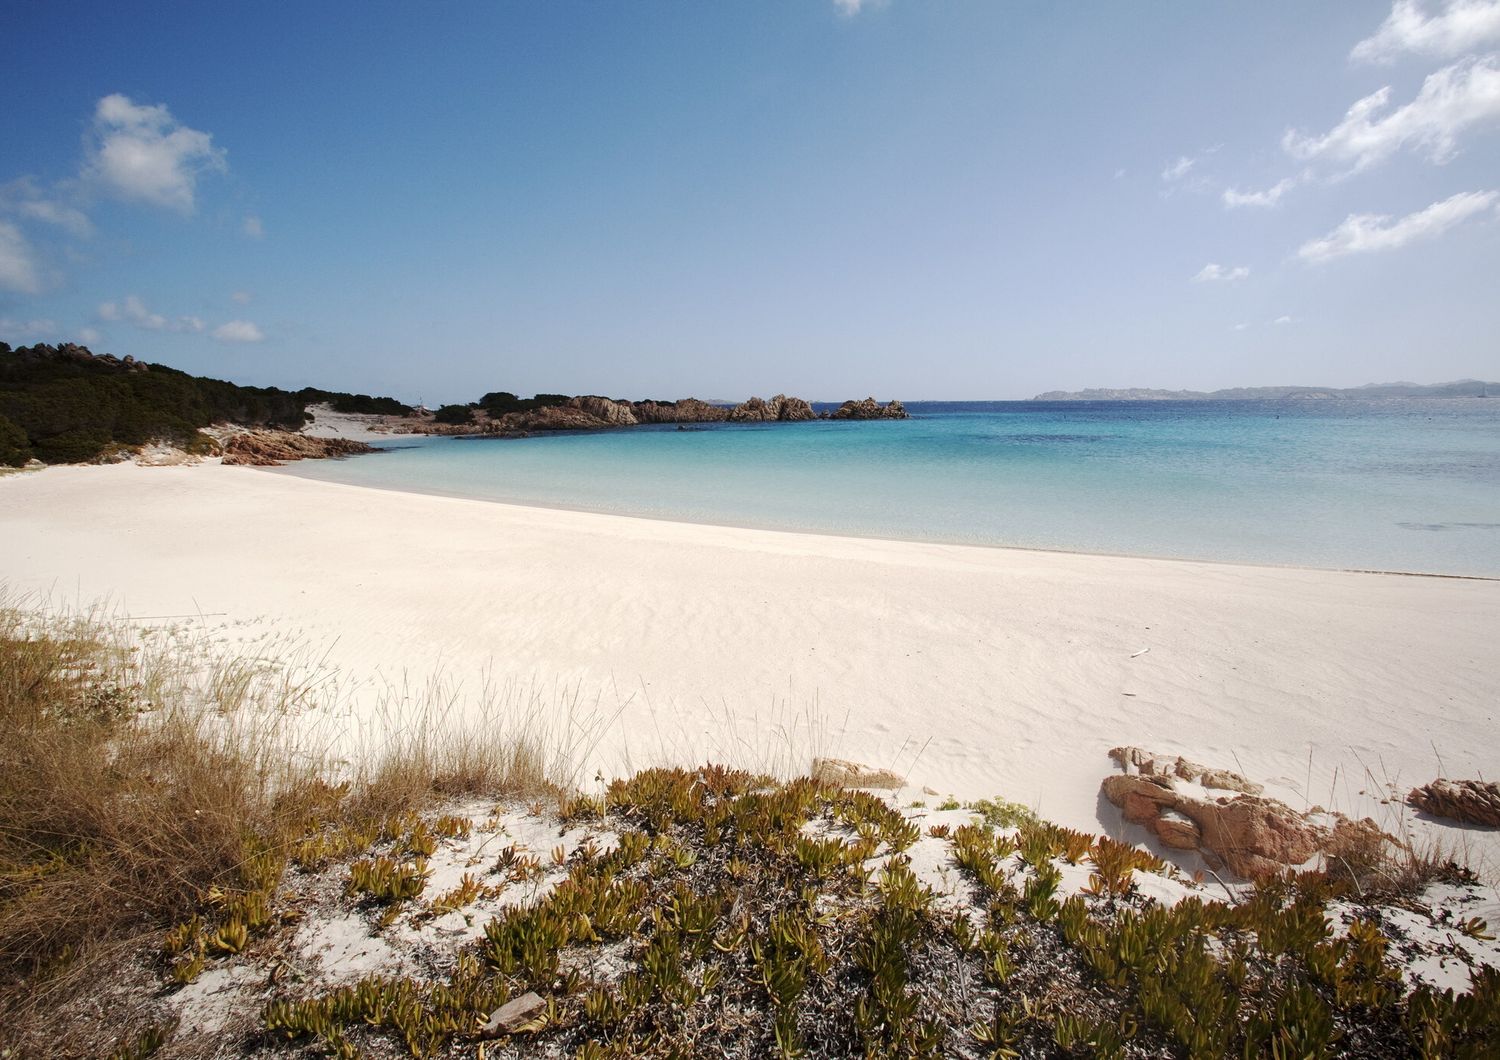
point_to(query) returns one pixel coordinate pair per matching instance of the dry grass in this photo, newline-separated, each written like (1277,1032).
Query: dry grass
(140,771)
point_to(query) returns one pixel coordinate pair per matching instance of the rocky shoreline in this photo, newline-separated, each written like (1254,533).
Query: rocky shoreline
(594,413)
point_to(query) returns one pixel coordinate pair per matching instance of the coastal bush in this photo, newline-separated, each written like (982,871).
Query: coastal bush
(152,798)
(498,403)
(359,404)
(15,446)
(72,405)
(745,917)
(454,414)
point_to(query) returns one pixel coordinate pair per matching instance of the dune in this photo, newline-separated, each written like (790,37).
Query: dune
(969,671)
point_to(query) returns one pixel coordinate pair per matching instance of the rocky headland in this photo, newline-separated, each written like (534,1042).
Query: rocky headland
(274,448)
(594,413)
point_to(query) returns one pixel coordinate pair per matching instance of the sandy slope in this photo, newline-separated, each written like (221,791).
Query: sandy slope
(980,671)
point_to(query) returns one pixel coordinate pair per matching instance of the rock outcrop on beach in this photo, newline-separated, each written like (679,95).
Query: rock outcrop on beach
(594,413)
(1465,801)
(688,410)
(780,409)
(870,409)
(504,415)
(274,448)
(1223,817)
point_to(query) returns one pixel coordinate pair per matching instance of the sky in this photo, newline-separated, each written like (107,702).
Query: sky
(829,198)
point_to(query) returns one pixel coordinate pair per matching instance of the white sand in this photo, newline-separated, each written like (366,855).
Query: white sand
(978,671)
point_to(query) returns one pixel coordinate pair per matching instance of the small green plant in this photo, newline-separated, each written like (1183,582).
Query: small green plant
(383,879)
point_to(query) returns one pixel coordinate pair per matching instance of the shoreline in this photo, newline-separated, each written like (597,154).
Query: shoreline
(767,528)
(973,670)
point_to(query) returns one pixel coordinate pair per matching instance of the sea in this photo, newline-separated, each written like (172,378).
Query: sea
(1406,485)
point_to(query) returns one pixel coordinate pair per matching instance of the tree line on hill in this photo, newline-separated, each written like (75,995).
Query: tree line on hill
(64,404)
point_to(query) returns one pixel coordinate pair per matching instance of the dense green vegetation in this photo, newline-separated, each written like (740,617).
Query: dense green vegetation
(499,402)
(63,404)
(454,414)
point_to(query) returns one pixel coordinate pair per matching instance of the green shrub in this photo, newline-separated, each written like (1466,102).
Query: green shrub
(15,447)
(454,414)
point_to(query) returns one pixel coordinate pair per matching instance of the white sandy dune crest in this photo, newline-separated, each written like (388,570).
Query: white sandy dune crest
(976,671)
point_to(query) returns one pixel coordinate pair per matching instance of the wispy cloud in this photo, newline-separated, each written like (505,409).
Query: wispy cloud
(1215,273)
(1185,173)
(22,331)
(19,270)
(143,153)
(1451,100)
(89,336)
(1364,233)
(241,297)
(1461,27)
(1270,197)
(1177,170)
(131,310)
(1282,320)
(253,228)
(850,8)
(238,331)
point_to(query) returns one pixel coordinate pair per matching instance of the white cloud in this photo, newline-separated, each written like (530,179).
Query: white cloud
(143,153)
(1178,169)
(67,217)
(253,228)
(18,267)
(1362,233)
(241,297)
(1270,197)
(132,310)
(1463,26)
(1240,327)
(1282,320)
(1213,273)
(850,8)
(1450,101)
(26,198)
(238,331)
(24,331)
(89,336)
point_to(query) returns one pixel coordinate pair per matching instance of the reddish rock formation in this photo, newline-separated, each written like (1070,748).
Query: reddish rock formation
(870,409)
(688,410)
(1252,835)
(1148,764)
(273,448)
(1465,801)
(611,413)
(779,409)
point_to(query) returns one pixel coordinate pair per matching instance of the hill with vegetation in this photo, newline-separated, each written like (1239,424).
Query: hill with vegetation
(65,404)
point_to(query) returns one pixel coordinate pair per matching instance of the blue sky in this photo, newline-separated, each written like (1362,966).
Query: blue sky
(823,197)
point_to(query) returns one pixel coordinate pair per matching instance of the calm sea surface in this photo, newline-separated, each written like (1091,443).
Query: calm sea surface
(1391,485)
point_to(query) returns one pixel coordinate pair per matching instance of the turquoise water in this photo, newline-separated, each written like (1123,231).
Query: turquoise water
(1389,485)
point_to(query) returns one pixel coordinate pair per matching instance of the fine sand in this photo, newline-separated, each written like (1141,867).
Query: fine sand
(974,671)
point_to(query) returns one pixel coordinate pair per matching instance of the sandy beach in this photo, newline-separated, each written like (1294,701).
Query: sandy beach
(974,671)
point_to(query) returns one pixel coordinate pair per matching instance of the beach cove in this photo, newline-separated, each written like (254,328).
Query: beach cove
(970,671)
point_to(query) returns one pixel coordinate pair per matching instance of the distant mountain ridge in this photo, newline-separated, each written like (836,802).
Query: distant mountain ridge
(1457,388)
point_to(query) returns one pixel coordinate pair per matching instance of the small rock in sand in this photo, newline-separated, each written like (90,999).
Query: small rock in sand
(513,1015)
(853,775)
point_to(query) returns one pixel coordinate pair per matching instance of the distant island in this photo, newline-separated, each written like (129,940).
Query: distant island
(1459,388)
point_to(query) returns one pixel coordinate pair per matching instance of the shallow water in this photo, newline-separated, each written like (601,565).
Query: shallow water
(1409,485)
